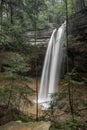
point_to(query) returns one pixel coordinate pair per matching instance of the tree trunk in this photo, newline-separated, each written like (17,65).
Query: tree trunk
(82,4)
(1,13)
(11,12)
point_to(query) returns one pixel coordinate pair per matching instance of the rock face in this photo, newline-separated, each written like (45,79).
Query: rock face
(79,56)
(26,126)
(78,43)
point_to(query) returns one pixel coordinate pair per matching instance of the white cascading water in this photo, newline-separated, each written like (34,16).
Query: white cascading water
(52,66)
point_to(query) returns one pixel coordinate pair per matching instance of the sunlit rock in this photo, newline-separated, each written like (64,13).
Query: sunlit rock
(16,125)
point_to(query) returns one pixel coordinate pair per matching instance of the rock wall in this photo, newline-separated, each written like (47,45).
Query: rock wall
(78,43)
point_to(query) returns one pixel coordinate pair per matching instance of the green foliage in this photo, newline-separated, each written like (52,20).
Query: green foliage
(82,103)
(1,114)
(73,124)
(56,102)
(18,64)
(9,76)
(70,93)
(4,95)
(18,93)
(69,124)
(2,40)
(74,96)
(70,78)
(17,16)
(42,20)
(25,118)
(24,78)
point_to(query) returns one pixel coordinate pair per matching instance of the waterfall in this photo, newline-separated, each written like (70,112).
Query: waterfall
(52,65)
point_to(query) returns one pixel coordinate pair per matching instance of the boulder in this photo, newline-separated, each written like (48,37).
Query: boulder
(18,125)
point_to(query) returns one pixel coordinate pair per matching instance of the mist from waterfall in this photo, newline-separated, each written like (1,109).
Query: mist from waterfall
(52,65)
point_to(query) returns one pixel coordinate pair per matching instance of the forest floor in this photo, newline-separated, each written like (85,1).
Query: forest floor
(79,104)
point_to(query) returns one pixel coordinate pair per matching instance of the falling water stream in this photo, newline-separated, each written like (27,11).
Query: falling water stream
(52,66)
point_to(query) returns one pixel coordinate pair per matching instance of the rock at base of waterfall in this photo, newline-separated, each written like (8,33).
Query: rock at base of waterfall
(14,125)
(44,103)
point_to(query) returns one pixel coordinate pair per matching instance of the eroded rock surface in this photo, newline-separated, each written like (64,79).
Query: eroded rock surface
(26,126)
